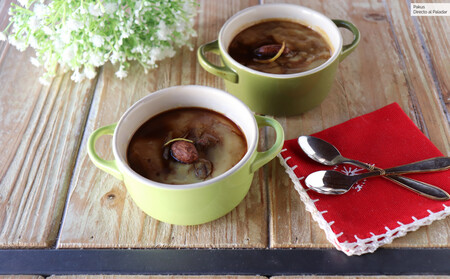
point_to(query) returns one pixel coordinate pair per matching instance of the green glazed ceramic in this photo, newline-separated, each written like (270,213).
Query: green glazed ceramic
(195,203)
(278,94)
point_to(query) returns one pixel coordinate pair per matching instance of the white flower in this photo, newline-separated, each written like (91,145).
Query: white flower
(97,40)
(82,10)
(111,8)
(50,64)
(179,26)
(155,53)
(18,43)
(82,35)
(23,2)
(96,59)
(74,25)
(47,30)
(139,5)
(114,57)
(89,72)
(34,23)
(125,34)
(40,10)
(95,10)
(44,81)
(65,35)
(68,53)
(77,76)
(121,73)
(189,8)
(35,62)
(58,44)
(163,31)
(138,49)
(33,42)
(170,52)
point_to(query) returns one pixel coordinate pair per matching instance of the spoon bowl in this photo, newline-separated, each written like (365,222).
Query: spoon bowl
(336,183)
(326,154)
(330,182)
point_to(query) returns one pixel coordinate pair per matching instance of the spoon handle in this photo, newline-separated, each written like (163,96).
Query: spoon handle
(433,164)
(358,164)
(421,188)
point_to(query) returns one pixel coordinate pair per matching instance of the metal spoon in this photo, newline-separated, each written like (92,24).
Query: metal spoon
(326,154)
(336,183)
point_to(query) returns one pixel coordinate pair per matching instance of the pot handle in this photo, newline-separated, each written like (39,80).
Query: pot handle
(347,49)
(220,71)
(108,166)
(264,157)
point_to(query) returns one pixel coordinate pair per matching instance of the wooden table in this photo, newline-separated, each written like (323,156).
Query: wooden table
(54,200)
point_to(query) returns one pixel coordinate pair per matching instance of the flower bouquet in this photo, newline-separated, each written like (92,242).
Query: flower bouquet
(80,35)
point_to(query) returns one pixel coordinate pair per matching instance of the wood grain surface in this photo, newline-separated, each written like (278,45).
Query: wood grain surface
(151,277)
(52,196)
(40,132)
(390,50)
(362,277)
(424,81)
(435,36)
(221,277)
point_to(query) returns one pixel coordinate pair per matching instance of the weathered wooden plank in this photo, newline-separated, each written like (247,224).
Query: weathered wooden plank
(4,8)
(435,37)
(99,211)
(21,277)
(362,277)
(154,277)
(387,66)
(40,131)
(427,79)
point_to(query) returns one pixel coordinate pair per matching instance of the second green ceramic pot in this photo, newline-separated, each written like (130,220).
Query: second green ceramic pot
(278,94)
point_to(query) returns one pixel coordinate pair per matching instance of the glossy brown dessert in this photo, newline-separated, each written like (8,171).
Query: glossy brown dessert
(186,145)
(280,47)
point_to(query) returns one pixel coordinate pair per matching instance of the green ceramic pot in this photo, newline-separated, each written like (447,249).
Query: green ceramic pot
(195,203)
(278,94)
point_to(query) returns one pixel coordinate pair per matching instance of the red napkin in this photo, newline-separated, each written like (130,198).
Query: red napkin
(375,211)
